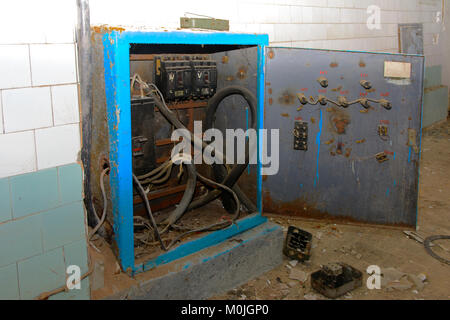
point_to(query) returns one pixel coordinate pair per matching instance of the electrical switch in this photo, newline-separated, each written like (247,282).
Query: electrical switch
(323,82)
(343,102)
(366,84)
(301,136)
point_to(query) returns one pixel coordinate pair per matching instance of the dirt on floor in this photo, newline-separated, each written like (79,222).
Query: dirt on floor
(363,246)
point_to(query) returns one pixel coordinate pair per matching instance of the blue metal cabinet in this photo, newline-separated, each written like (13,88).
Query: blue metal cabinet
(116,45)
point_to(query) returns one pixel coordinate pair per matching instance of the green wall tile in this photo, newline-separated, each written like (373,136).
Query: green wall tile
(34,192)
(63,225)
(433,76)
(83,293)
(70,183)
(20,239)
(435,106)
(5,206)
(9,287)
(41,273)
(76,254)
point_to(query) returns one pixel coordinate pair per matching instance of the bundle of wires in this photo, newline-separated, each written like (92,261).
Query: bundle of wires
(162,173)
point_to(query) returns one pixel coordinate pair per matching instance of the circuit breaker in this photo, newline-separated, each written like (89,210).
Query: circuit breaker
(204,78)
(185,77)
(173,76)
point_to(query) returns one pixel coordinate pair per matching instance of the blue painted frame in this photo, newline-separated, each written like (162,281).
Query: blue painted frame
(117,88)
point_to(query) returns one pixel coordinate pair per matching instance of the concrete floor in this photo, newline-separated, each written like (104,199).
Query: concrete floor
(362,246)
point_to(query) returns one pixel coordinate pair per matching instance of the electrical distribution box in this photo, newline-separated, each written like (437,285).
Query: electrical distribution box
(349,131)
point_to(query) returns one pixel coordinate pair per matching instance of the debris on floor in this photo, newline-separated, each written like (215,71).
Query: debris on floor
(336,279)
(395,279)
(297,274)
(297,245)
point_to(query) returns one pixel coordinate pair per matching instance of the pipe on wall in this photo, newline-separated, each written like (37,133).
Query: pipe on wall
(85,77)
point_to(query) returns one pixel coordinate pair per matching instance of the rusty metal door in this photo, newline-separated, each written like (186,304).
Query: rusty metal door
(350,129)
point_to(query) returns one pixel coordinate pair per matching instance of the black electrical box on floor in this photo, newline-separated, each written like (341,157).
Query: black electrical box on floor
(336,279)
(297,245)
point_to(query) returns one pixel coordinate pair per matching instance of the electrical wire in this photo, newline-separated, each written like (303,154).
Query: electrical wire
(427,243)
(230,179)
(105,204)
(149,211)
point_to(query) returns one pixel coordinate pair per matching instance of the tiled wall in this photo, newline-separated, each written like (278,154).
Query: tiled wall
(42,219)
(42,232)
(323,24)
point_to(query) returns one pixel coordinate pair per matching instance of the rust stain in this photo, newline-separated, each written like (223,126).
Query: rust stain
(334,65)
(362,64)
(269,90)
(270,101)
(364,111)
(313,120)
(361,141)
(105,28)
(341,125)
(348,152)
(271,54)
(301,208)
(287,98)
(339,121)
(230,78)
(329,142)
(242,73)
(225,59)
(329,109)
(285,115)
(337,89)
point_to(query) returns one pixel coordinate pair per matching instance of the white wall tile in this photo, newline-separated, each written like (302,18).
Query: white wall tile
(52,64)
(20,150)
(65,104)
(14,66)
(1,114)
(57,146)
(27,108)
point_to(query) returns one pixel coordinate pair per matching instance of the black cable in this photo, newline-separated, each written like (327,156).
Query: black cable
(215,226)
(220,172)
(236,172)
(427,243)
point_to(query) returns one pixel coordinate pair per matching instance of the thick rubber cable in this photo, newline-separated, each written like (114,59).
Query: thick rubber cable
(427,244)
(236,172)
(220,172)
(187,196)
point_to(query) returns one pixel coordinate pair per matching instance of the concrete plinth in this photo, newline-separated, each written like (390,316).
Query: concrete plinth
(214,270)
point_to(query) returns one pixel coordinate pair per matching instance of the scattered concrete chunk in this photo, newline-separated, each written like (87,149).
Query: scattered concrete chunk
(299,275)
